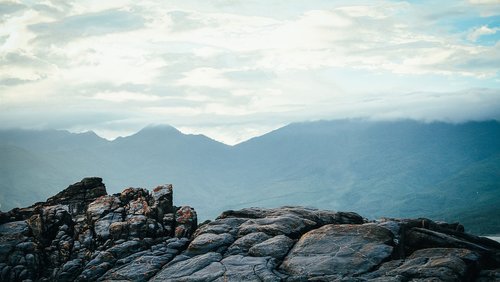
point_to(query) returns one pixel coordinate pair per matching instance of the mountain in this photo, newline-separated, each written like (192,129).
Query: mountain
(84,234)
(400,168)
(380,168)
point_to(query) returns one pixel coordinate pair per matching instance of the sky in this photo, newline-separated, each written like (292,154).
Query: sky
(233,69)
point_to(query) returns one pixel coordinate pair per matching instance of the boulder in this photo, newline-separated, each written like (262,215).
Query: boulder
(184,268)
(243,244)
(276,247)
(343,250)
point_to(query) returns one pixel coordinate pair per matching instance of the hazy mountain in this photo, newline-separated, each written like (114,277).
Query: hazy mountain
(400,168)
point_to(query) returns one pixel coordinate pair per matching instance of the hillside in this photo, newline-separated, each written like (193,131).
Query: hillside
(400,168)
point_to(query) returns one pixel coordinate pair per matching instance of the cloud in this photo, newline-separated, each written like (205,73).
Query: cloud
(233,69)
(10,7)
(124,96)
(475,34)
(91,24)
(205,77)
(485,2)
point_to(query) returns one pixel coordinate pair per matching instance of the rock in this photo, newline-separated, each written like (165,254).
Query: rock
(186,222)
(418,238)
(163,199)
(101,206)
(140,269)
(102,226)
(489,275)
(276,247)
(83,234)
(146,265)
(338,250)
(240,268)
(243,244)
(70,270)
(209,242)
(79,195)
(289,225)
(14,228)
(187,267)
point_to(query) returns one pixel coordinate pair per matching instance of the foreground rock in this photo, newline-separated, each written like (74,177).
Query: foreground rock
(83,234)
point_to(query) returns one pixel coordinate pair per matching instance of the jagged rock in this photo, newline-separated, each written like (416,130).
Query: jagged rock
(186,221)
(83,234)
(143,267)
(79,195)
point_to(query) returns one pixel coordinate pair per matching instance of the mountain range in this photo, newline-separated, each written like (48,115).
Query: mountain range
(399,168)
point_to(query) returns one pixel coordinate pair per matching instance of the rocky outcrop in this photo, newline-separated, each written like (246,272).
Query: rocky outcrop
(84,234)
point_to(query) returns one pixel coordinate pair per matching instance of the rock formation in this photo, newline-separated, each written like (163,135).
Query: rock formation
(84,234)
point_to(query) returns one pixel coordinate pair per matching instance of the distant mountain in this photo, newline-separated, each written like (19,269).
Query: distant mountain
(399,168)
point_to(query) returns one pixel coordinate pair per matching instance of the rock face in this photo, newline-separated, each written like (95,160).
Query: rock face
(84,234)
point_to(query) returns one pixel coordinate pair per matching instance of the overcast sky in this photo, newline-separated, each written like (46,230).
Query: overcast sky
(236,69)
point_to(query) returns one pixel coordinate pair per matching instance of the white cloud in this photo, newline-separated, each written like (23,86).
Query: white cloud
(204,77)
(240,66)
(484,2)
(125,96)
(475,34)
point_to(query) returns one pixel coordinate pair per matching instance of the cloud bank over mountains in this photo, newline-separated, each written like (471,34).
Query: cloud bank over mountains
(235,69)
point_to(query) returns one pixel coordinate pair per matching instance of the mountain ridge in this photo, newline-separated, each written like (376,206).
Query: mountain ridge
(326,164)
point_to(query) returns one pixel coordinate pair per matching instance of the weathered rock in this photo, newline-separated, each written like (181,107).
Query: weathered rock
(243,244)
(83,234)
(489,275)
(276,247)
(418,238)
(240,268)
(338,250)
(209,242)
(289,225)
(182,269)
(438,264)
(79,195)
(162,196)
(186,222)
(147,264)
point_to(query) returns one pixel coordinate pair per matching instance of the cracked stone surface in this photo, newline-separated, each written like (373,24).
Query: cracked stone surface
(84,234)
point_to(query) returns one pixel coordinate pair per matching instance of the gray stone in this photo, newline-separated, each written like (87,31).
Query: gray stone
(276,247)
(338,249)
(243,244)
(140,269)
(289,225)
(15,227)
(209,242)
(184,268)
(241,268)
